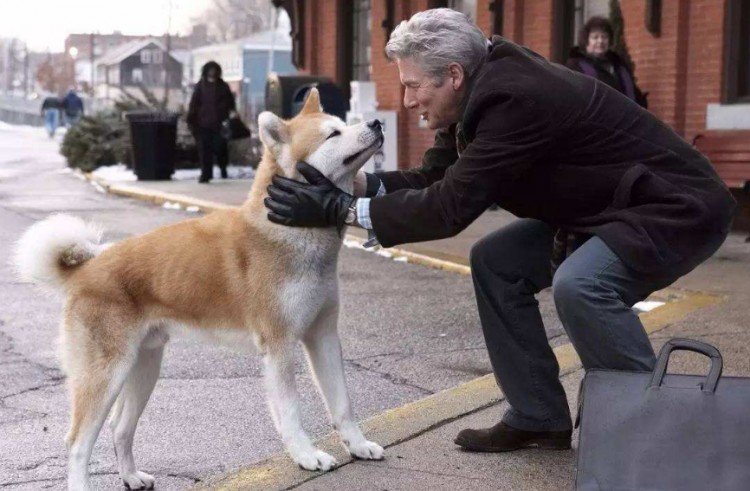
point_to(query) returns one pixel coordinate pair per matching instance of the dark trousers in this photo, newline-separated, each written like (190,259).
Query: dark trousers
(593,292)
(211,144)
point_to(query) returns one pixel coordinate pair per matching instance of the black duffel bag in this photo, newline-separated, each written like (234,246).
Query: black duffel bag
(657,431)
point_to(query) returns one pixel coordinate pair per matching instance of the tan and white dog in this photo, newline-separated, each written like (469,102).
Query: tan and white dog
(232,275)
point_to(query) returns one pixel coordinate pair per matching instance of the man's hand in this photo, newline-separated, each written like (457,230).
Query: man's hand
(317,204)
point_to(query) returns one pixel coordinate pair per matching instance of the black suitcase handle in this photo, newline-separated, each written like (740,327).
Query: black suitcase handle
(714,373)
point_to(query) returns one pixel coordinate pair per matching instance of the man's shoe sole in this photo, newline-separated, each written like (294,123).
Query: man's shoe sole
(540,444)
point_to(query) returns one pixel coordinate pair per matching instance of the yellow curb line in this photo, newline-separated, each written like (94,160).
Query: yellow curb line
(410,420)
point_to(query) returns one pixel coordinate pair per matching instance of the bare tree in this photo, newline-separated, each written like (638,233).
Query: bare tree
(234,19)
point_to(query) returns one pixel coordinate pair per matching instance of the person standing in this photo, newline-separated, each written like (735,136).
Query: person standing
(51,108)
(211,104)
(72,106)
(594,57)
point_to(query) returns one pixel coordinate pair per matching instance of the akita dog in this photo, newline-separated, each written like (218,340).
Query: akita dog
(232,274)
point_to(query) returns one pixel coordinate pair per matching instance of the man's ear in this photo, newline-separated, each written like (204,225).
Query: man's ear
(456,75)
(273,130)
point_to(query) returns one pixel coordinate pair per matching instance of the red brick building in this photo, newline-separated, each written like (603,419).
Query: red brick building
(693,57)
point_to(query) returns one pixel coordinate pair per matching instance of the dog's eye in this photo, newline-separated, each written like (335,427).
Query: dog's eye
(335,133)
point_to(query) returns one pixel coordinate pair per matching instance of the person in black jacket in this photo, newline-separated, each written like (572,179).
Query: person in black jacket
(594,57)
(612,205)
(211,104)
(51,108)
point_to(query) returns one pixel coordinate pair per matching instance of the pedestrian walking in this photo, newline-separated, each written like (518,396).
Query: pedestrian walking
(211,104)
(51,108)
(612,205)
(72,106)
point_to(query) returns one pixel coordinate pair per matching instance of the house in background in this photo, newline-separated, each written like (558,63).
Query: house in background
(87,49)
(245,64)
(143,62)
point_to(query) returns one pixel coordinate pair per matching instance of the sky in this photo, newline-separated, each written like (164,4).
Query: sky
(44,24)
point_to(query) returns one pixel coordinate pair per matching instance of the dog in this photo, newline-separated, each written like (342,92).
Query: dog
(233,276)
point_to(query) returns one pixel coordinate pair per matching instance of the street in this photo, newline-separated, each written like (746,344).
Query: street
(408,331)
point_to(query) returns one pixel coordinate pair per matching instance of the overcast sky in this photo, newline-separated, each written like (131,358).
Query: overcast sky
(44,24)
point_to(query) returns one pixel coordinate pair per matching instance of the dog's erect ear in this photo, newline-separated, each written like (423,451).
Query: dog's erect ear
(312,103)
(273,130)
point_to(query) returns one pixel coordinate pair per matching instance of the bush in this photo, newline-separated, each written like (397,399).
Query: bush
(96,141)
(104,138)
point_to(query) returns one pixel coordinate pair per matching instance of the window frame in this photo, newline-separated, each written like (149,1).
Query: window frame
(735,53)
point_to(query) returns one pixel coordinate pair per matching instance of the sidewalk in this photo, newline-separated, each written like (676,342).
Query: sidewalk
(709,304)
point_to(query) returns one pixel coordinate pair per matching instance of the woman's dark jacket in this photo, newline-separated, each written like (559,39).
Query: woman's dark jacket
(211,102)
(610,69)
(546,142)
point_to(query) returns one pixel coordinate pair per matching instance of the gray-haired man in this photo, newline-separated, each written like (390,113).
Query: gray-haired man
(595,180)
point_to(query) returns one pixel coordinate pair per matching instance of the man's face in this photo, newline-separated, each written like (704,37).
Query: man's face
(598,43)
(211,75)
(438,105)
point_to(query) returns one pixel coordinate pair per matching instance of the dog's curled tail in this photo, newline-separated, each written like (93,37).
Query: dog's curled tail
(50,250)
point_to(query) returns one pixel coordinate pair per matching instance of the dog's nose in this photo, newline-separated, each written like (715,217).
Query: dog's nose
(375,124)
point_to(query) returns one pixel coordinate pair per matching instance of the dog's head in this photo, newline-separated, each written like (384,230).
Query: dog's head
(321,140)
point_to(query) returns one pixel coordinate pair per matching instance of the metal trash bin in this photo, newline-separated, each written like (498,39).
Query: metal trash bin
(153,137)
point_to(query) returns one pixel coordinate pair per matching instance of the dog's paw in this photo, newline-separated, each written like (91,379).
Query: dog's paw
(316,461)
(366,450)
(138,480)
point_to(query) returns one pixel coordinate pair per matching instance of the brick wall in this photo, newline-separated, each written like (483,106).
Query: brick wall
(681,69)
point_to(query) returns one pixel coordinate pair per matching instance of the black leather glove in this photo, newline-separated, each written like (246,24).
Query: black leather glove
(317,204)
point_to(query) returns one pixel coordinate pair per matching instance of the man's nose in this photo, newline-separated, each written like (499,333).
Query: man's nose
(374,124)
(409,102)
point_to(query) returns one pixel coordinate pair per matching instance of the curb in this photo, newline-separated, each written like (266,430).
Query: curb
(413,419)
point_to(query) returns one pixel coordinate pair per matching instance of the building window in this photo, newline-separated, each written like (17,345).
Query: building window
(157,57)
(361,57)
(137,76)
(498,16)
(737,59)
(468,7)
(146,56)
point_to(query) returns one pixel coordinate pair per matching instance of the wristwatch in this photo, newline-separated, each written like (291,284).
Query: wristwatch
(351,213)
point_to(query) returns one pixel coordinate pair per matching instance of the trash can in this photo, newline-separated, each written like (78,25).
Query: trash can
(153,137)
(285,95)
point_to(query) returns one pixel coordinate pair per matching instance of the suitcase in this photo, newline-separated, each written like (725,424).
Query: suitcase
(658,431)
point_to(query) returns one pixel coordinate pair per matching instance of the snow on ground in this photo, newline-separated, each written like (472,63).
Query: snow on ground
(120,173)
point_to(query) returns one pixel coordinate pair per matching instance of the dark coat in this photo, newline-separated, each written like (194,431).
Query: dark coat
(211,102)
(51,102)
(72,104)
(545,142)
(610,69)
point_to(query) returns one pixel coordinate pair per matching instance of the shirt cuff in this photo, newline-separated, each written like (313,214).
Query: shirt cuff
(363,213)
(364,220)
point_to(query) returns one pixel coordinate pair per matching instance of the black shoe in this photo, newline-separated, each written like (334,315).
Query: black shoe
(204,180)
(504,438)
(224,173)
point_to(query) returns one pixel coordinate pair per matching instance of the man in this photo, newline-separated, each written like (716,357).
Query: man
(72,107)
(211,104)
(594,179)
(51,113)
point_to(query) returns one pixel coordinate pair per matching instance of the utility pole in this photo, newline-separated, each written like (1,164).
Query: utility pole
(25,70)
(165,59)
(92,45)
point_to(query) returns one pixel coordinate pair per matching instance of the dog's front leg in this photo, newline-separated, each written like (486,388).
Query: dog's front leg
(283,400)
(324,355)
